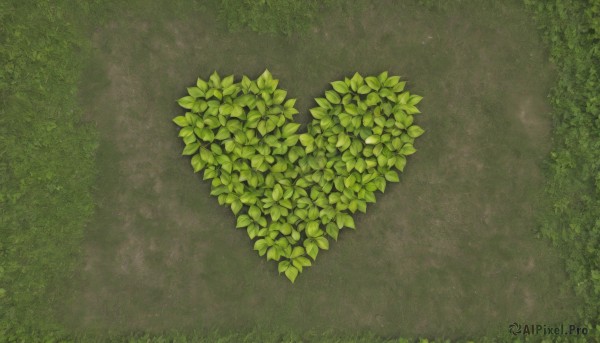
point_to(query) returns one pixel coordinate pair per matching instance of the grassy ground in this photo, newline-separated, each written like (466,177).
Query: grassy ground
(450,251)
(46,160)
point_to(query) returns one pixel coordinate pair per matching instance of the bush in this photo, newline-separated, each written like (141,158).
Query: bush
(294,191)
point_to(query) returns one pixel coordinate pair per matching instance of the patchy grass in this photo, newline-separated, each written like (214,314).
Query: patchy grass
(46,161)
(450,251)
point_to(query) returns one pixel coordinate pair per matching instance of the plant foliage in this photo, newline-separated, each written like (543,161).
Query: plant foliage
(293,193)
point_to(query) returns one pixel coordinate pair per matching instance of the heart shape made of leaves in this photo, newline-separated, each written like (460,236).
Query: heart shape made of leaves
(293,191)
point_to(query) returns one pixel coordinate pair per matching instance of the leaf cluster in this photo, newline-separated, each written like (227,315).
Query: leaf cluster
(293,192)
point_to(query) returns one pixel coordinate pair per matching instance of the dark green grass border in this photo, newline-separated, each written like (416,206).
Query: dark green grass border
(572,30)
(47,158)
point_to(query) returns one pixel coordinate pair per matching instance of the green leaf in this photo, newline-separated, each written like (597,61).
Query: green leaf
(262,127)
(380,183)
(298,251)
(254,213)
(306,139)
(304,262)
(350,181)
(374,139)
(260,244)
(399,87)
(339,220)
(289,103)
(236,206)
(392,176)
(312,250)
(246,82)
(230,90)
(364,89)
(186,102)
(278,96)
(277,192)
(225,109)
(382,161)
(340,87)
(408,149)
(243,221)
(344,220)
(356,81)
(253,232)
(403,98)
(273,254)
(207,135)
(391,81)
(215,79)
(349,222)
(342,140)
(195,92)
(266,75)
(322,243)
(332,230)
(283,266)
(353,206)
(373,82)
(415,99)
(333,97)
(362,206)
(223,134)
(415,131)
(227,81)
(256,161)
(285,229)
(295,234)
(197,163)
(312,229)
(400,162)
(322,102)
(318,112)
(275,212)
(289,129)
(382,77)
(291,273)
(191,149)
(181,121)
(202,85)
(360,165)
(297,264)
(210,173)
